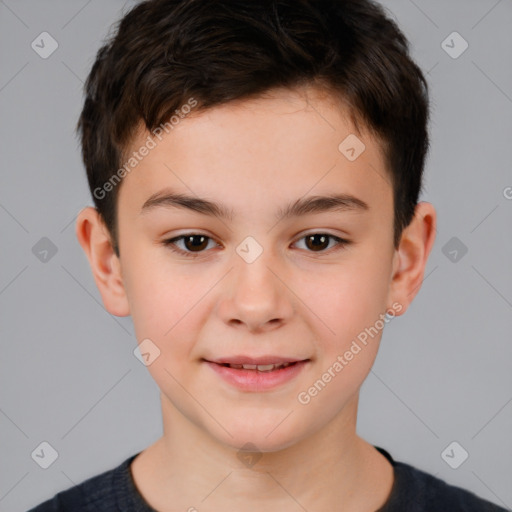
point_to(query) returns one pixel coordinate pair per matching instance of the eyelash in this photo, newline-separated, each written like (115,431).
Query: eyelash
(171,244)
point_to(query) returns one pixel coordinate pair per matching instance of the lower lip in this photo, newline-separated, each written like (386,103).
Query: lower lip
(253,380)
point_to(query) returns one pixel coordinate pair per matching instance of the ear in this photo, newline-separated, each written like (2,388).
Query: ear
(410,259)
(95,240)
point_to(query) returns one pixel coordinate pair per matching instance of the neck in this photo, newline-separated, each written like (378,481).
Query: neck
(187,469)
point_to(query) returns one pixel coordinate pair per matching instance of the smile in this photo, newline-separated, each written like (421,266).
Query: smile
(258,367)
(252,377)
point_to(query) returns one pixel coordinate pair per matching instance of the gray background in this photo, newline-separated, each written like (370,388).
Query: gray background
(69,376)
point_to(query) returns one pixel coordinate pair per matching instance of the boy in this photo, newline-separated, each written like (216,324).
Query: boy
(256,168)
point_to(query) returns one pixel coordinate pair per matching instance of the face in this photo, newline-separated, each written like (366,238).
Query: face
(256,268)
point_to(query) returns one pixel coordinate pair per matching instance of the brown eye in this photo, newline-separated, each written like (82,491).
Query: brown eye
(321,242)
(191,245)
(317,242)
(195,242)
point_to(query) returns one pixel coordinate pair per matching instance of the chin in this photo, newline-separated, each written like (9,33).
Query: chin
(261,436)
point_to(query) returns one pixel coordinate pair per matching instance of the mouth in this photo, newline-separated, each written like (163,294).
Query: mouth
(259,367)
(261,364)
(257,374)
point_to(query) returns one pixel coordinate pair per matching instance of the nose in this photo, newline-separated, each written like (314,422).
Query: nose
(255,296)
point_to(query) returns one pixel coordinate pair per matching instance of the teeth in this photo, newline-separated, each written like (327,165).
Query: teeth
(259,367)
(266,367)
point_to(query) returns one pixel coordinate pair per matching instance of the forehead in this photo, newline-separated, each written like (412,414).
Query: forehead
(277,146)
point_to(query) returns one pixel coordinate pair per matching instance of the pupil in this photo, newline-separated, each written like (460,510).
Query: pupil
(315,238)
(195,245)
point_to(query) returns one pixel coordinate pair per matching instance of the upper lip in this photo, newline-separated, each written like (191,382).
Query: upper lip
(240,359)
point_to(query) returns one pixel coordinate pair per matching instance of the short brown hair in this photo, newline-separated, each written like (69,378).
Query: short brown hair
(165,52)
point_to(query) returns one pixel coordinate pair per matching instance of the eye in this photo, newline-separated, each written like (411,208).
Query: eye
(191,243)
(319,242)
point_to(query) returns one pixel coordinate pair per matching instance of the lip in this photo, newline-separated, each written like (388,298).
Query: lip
(254,380)
(268,359)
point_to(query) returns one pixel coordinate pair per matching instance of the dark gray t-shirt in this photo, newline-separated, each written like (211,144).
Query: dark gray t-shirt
(413,491)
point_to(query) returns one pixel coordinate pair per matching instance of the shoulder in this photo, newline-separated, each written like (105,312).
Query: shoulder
(96,494)
(418,491)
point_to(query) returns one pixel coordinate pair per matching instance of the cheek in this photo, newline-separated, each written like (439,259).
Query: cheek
(159,297)
(348,311)
(345,299)
(169,307)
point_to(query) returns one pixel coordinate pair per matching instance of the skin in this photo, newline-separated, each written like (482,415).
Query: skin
(255,157)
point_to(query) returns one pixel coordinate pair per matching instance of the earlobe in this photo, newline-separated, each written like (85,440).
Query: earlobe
(411,257)
(94,238)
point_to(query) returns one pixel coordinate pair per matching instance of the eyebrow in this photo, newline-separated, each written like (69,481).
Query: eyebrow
(302,206)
